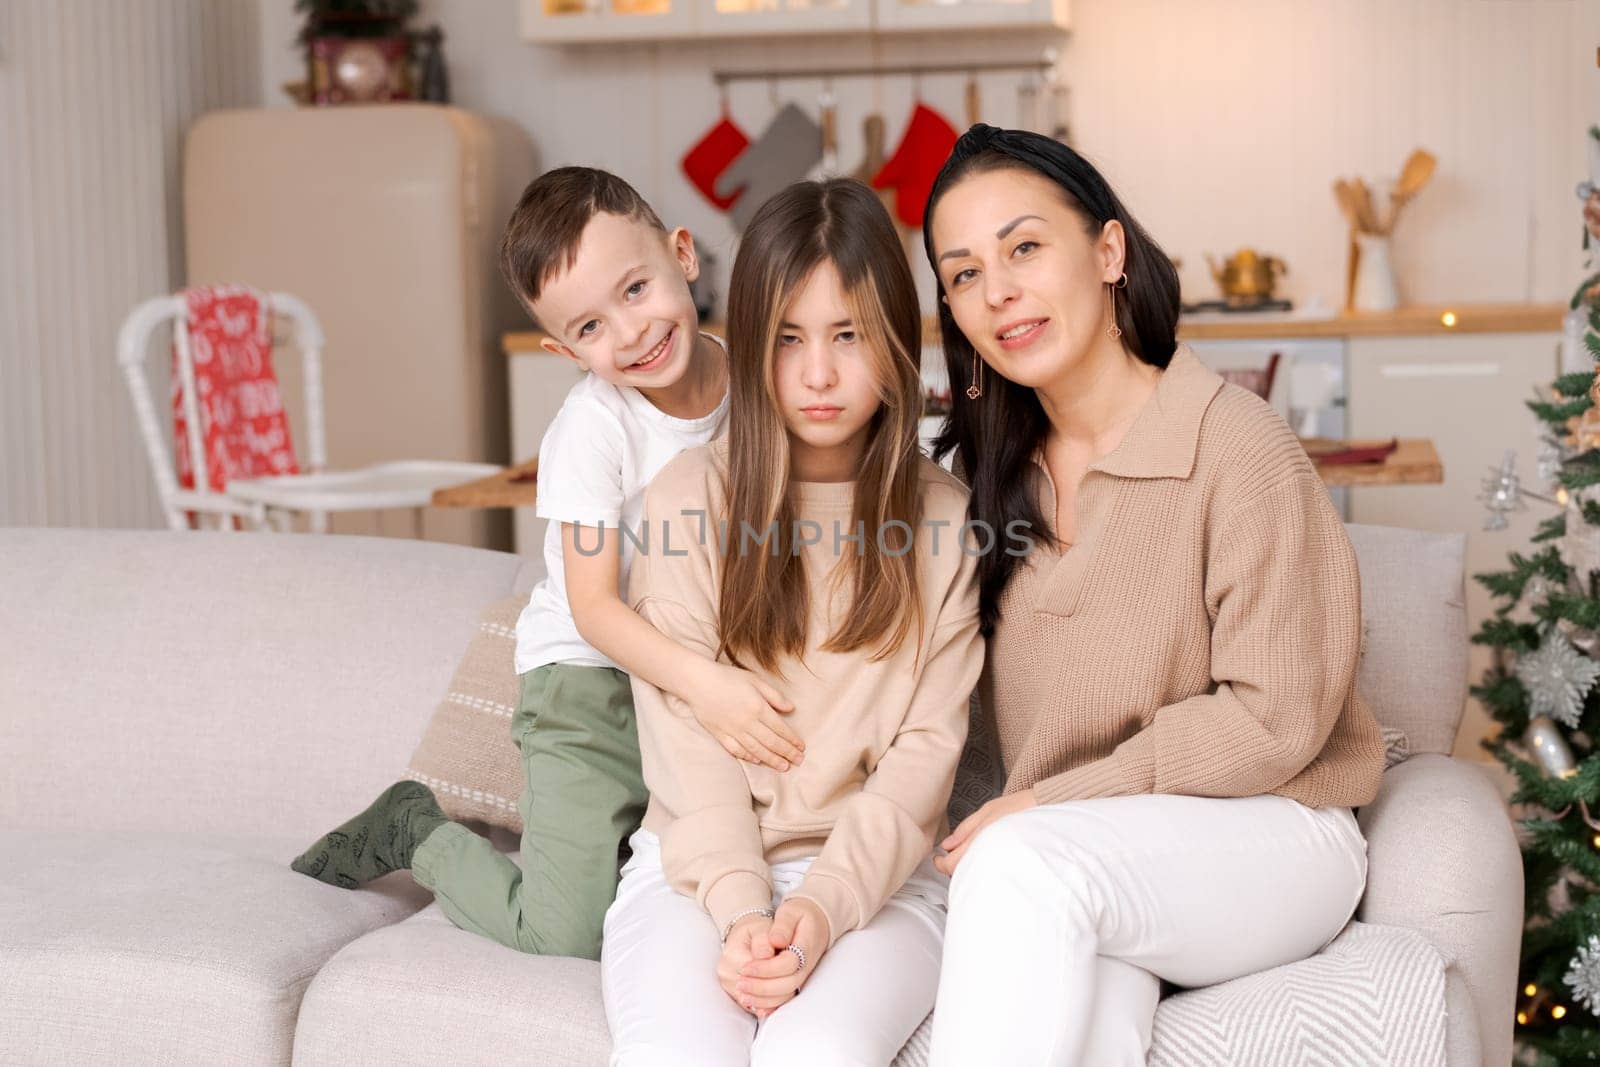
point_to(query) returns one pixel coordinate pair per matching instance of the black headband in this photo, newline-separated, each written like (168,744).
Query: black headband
(1044,154)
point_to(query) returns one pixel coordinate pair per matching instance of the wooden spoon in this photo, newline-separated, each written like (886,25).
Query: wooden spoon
(1419,167)
(1346,198)
(1415,174)
(1364,209)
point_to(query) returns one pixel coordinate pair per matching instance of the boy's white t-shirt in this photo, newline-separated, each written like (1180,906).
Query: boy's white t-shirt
(597,457)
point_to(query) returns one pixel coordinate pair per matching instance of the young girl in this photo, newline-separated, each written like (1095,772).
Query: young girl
(819,549)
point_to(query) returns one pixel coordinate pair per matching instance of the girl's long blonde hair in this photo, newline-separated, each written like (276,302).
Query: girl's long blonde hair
(764,598)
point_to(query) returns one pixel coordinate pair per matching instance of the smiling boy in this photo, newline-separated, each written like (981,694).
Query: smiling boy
(609,284)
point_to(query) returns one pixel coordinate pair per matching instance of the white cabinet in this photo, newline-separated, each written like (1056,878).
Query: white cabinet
(573,21)
(1465,393)
(971,14)
(723,18)
(539,383)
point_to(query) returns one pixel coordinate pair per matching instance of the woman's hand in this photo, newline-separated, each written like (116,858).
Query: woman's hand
(745,715)
(962,837)
(767,983)
(750,941)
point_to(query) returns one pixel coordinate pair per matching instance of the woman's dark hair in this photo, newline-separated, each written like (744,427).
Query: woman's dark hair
(996,436)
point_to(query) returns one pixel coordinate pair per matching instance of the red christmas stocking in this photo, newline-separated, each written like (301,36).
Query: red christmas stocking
(916,162)
(710,156)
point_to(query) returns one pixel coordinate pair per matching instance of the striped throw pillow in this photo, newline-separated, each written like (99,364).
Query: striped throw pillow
(466,755)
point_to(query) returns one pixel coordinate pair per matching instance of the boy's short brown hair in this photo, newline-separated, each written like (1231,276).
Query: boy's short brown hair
(541,240)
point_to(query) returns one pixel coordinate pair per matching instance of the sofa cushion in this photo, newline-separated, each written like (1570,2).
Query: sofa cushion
(165,948)
(466,755)
(1413,669)
(263,684)
(424,991)
(1374,997)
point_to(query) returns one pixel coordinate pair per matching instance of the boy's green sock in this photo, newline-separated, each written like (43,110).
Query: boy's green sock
(379,840)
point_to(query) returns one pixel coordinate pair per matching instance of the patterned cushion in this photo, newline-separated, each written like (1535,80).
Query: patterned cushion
(1372,998)
(466,755)
(979,776)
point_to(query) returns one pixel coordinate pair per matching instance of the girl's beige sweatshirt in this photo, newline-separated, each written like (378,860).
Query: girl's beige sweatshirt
(882,737)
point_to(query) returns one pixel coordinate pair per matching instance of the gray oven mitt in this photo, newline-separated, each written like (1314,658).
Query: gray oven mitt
(785,151)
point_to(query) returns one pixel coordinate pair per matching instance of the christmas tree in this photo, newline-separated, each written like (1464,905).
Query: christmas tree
(1542,691)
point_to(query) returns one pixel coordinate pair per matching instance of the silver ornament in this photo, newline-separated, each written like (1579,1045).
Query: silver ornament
(1502,493)
(1550,459)
(1549,748)
(1583,975)
(1557,678)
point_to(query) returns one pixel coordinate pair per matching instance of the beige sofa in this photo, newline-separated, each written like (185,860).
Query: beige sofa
(180,713)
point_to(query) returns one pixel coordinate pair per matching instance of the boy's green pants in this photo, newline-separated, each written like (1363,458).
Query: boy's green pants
(585,794)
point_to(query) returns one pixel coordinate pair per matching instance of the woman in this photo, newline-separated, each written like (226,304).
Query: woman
(816,548)
(1171,669)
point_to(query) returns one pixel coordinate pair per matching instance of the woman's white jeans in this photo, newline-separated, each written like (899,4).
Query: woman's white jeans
(658,972)
(1064,918)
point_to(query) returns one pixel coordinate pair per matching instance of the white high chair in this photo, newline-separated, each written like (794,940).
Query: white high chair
(269,502)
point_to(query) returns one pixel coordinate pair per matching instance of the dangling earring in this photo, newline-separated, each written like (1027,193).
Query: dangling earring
(975,390)
(1114,331)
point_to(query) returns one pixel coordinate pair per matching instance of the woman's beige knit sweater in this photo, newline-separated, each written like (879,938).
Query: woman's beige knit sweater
(1201,635)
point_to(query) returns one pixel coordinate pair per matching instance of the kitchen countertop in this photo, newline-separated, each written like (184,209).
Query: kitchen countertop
(1414,320)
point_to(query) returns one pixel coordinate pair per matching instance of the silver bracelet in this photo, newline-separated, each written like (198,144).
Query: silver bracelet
(727,931)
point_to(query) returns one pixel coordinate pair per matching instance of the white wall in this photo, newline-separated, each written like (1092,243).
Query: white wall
(1222,122)
(94,98)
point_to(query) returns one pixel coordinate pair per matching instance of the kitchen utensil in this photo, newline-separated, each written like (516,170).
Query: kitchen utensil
(1363,202)
(1375,288)
(827,106)
(1247,277)
(1416,172)
(783,153)
(916,162)
(704,163)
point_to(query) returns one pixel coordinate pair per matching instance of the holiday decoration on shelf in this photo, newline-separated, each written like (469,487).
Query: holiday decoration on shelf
(1543,692)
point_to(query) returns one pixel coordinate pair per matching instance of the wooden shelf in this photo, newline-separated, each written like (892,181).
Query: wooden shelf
(1414,462)
(513,487)
(1407,321)
(1401,322)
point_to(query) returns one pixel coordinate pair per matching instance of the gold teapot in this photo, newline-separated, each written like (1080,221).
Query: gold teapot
(1246,277)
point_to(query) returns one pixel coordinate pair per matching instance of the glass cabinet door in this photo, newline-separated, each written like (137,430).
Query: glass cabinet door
(605,20)
(733,17)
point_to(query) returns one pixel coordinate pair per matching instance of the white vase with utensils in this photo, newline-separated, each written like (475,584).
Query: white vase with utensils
(1375,288)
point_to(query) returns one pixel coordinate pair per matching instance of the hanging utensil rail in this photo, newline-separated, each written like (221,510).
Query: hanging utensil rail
(1043,65)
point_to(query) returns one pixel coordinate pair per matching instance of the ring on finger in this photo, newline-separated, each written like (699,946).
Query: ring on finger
(799,954)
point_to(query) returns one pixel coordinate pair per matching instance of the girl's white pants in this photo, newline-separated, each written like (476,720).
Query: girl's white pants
(666,1009)
(1064,919)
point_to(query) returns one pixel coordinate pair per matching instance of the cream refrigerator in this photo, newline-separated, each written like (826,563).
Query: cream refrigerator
(385,219)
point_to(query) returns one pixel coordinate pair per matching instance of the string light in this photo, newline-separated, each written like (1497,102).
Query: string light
(1522,1018)
(1530,990)
(1448,319)
(1558,1012)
